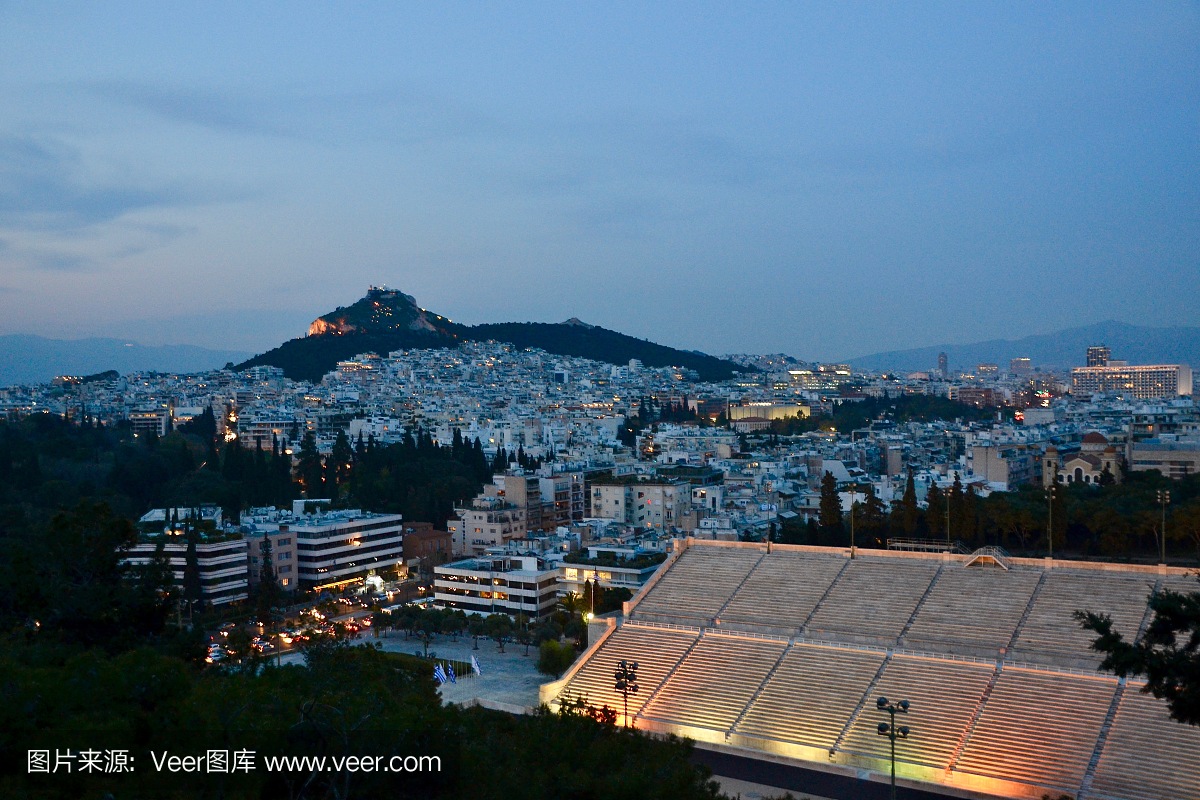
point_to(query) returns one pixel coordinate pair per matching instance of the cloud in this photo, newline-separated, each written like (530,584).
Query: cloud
(391,113)
(43,259)
(44,186)
(212,110)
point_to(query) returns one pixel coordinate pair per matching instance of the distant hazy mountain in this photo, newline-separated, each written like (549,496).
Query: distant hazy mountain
(1137,344)
(26,359)
(387,320)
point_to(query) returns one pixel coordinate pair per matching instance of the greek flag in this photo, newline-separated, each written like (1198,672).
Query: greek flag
(439,674)
(475,666)
(450,673)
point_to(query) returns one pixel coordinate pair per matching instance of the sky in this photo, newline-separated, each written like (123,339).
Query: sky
(821,179)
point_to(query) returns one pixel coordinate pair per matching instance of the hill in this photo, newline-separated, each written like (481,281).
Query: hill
(27,359)
(573,338)
(386,320)
(381,311)
(310,357)
(1137,344)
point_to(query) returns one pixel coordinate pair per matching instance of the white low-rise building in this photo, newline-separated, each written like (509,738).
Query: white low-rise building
(526,585)
(220,561)
(338,548)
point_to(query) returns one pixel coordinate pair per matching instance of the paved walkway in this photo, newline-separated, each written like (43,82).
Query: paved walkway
(509,678)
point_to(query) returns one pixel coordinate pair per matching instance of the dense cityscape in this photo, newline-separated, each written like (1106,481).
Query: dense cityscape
(681,401)
(529,497)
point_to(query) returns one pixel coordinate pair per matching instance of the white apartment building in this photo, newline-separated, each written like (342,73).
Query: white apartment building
(487,522)
(221,558)
(266,426)
(284,562)
(336,548)
(611,567)
(498,585)
(641,501)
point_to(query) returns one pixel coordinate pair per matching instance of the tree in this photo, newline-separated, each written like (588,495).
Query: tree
(499,628)
(935,512)
(454,622)
(192,591)
(906,512)
(956,499)
(554,657)
(269,591)
(427,623)
(308,467)
(339,464)
(1186,524)
(872,516)
(970,514)
(793,531)
(476,628)
(523,635)
(1168,656)
(829,510)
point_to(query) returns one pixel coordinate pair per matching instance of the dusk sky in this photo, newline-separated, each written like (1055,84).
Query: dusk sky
(826,180)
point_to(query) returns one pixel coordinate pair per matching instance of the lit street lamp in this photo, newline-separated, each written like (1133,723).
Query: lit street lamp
(626,684)
(1164,499)
(891,730)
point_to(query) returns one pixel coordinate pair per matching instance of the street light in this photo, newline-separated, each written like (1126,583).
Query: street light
(1050,519)
(891,730)
(626,684)
(1164,499)
(853,503)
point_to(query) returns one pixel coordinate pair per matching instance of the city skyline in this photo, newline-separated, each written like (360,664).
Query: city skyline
(864,178)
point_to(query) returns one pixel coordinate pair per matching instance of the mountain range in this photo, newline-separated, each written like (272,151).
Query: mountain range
(27,359)
(386,320)
(1137,344)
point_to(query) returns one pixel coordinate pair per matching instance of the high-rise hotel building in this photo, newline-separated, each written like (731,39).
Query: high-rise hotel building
(1140,382)
(1098,355)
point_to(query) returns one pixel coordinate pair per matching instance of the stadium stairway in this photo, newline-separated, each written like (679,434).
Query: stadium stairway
(969,728)
(758,692)
(1086,785)
(674,667)
(1149,615)
(920,604)
(828,590)
(1033,598)
(741,585)
(862,704)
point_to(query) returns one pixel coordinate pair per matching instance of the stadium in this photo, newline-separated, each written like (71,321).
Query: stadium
(780,653)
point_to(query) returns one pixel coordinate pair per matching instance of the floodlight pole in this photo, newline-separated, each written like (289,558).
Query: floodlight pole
(1164,498)
(853,503)
(1050,521)
(891,731)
